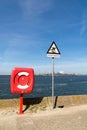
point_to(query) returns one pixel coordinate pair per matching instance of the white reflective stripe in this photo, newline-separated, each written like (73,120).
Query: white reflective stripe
(53,55)
(23,73)
(22,87)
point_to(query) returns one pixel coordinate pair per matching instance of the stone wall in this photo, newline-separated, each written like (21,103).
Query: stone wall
(34,104)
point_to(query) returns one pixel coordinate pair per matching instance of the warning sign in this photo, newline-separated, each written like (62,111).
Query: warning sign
(53,51)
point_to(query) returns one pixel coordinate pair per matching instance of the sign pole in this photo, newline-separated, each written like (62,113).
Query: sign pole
(53,82)
(53,52)
(21,103)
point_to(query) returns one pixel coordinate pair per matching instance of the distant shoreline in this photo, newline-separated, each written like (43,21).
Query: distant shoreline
(59,74)
(55,74)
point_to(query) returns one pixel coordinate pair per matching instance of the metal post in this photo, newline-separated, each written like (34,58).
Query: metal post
(21,104)
(53,82)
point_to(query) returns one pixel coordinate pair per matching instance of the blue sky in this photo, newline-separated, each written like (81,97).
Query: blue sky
(28,27)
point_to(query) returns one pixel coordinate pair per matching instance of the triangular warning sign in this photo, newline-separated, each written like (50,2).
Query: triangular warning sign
(53,51)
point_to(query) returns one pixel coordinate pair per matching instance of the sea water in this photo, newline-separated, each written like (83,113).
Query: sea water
(63,85)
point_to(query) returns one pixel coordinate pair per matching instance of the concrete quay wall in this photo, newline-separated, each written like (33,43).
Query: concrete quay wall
(42,103)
